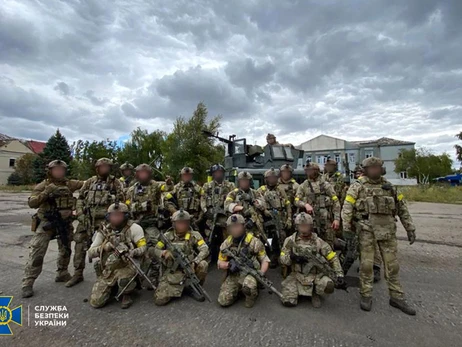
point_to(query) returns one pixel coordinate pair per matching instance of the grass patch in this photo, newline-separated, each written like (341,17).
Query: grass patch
(15,189)
(433,193)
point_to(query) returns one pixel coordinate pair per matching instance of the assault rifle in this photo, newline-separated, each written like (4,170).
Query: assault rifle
(180,260)
(351,253)
(58,224)
(245,266)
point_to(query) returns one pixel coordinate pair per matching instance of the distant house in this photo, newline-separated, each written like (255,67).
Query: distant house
(320,148)
(11,149)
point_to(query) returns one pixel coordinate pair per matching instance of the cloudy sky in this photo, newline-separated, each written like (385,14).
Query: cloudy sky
(356,69)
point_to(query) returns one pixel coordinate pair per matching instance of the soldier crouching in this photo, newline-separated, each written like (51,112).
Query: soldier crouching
(240,242)
(314,265)
(113,242)
(192,247)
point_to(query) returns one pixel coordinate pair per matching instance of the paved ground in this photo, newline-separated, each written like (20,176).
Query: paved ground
(431,273)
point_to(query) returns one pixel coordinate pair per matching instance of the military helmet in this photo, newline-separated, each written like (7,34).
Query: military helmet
(372,161)
(235,219)
(311,165)
(181,215)
(56,163)
(186,170)
(103,161)
(145,167)
(244,175)
(217,167)
(126,166)
(271,173)
(118,207)
(303,218)
(286,167)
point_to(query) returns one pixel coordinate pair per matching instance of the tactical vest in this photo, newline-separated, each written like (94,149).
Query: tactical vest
(216,194)
(244,246)
(376,200)
(289,189)
(101,193)
(273,198)
(185,245)
(317,195)
(188,198)
(120,236)
(65,199)
(142,199)
(246,199)
(314,247)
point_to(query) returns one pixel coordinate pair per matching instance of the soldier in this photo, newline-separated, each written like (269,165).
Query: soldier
(213,203)
(240,242)
(373,203)
(288,183)
(144,200)
(116,239)
(127,174)
(306,278)
(95,197)
(279,211)
(248,202)
(193,246)
(318,198)
(55,202)
(186,195)
(335,178)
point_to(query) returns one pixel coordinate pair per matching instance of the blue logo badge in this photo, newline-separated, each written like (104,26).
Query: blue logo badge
(8,315)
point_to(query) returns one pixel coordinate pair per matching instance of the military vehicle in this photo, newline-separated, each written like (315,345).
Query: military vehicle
(240,156)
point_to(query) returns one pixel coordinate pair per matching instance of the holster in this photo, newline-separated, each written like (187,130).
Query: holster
(35,223)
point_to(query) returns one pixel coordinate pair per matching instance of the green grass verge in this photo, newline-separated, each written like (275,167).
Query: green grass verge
(15,189)
(434,193)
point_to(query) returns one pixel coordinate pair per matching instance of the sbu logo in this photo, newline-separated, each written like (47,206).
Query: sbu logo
(8,315)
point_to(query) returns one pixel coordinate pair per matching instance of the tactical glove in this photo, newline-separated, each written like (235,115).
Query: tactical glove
(411,237)
(233,268)
(50,190)
(340,283)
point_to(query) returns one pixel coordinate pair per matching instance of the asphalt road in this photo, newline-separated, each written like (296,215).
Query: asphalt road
(431,273)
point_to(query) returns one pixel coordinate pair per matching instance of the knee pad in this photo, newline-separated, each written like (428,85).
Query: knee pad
(329,287)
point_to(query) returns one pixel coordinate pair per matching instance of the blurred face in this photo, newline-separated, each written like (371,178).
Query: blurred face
(104,169)
(374,172)
(143,175)
(186,177)
(271,140)
(218,176)
(330,168)
(58,172)
(305,230)
(244,184)
(311,173)
(272,180)
(236,230)
(116,218)
(126,172)
(286,175)
(181,226)
(358,174)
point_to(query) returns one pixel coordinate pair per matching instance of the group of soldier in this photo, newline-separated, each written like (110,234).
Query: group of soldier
(163,237)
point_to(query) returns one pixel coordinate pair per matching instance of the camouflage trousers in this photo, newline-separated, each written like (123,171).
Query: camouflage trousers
(292,288)
(234,283)
(171,284)
(82,237)
(150,266)
(38,248)
(102,289)
(328,234)
(388,250)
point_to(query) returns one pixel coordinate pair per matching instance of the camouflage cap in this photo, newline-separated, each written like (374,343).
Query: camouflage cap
(186,170)
(144,167)
(56,163)
(126,166)
(271,173)
(235,219)
(286,167)
(303,218)
(118,207)
(312,166)
(181,215)
(104,161)
(216,167)
(372,161)
(244,175)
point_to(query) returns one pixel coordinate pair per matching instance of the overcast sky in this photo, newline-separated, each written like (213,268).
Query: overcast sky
(357,69)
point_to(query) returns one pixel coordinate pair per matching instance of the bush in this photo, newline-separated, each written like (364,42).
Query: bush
(433,193)
(15,179)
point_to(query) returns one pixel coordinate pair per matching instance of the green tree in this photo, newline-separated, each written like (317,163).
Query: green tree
(187,146)
(423,165)
(86,154)
(15,179)
(24,167)
(459,148)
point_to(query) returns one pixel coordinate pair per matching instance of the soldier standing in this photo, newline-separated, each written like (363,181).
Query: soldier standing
(372,203)
(113,242)
(288,183)
(144,200)
(127,174)
(318,198)
(95,197)
(240,242)
(186,195)
(193,246)
(306,278)
(55,202)
(335,178)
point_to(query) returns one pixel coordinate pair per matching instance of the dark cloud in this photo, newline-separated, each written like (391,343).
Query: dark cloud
(62,88)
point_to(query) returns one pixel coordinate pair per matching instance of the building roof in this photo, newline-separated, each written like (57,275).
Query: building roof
(5,139)
(384,141)
(36,146)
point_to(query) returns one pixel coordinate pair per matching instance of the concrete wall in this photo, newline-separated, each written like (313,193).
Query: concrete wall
(12,150)
(388,154)
(323,142)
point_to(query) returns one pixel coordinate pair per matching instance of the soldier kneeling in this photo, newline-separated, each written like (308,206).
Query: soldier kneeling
(316,269)
(114,242)
(240,243)
(182,253)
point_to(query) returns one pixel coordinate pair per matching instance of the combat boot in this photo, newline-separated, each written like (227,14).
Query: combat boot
(366,303)
(249,301)
(316,300)
(27,292)
(64,277)
(74,280)
(127,301)
(403,306)
(377,276)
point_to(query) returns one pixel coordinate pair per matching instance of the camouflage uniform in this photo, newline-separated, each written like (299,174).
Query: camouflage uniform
(46,196)
(372,206)
(113,270)
(126,180)
(337,181)
(171,284)
(305,277)
(326,207)
(95,197)
(290,187)
(235,282)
